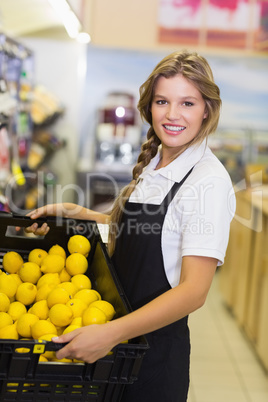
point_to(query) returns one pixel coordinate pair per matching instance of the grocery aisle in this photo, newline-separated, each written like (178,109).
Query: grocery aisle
(224,367)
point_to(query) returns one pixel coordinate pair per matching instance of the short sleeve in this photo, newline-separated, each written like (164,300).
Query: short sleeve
(206,211)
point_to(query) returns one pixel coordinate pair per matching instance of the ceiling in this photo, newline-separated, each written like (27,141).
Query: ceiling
(29,17)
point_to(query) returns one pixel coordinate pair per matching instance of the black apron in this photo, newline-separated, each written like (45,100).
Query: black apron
(138,260)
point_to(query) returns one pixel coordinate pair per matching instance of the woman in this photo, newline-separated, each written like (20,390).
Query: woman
(168,229)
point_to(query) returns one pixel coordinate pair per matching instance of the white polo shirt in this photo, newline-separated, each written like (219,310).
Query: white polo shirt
(198,218)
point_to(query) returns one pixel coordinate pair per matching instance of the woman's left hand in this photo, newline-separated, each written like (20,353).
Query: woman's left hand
(88,343)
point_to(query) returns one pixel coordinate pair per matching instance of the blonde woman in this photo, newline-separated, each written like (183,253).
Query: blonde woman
(168,229)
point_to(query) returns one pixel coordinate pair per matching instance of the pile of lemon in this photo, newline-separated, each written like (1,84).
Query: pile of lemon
(49,294)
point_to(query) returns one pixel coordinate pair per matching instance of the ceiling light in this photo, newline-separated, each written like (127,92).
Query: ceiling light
(68,17)
(83,37)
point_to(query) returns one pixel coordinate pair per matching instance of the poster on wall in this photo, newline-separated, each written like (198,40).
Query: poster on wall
(234,24)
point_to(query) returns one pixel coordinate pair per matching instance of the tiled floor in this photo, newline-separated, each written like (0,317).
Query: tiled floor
(224,367)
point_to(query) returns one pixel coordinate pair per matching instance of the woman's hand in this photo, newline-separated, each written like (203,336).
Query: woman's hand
(88,343)
(65,210)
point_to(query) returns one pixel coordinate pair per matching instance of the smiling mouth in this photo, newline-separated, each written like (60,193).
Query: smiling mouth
(174,128)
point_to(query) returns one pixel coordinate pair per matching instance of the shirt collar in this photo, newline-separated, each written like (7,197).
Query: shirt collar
(178,168)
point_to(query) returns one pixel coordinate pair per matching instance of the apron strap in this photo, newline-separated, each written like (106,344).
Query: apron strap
(171,194)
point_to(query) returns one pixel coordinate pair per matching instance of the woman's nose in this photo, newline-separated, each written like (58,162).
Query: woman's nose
(173,112)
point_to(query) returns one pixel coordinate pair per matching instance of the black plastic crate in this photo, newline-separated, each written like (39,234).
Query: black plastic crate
(22,377)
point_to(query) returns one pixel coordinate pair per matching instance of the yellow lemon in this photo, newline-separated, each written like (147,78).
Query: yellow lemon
(8,285)
(63,360)
(16,309)
(52,263)
(64,276)
(81,281)
(106,307)
(37,255)
(76,264)
(30,272)
(49,355)
(79,244)
(48,278)
(12,261)
(44,291)
(57,250)
(43,327)
(4,302)
(57,295)
(61,315)
(40,308)
(5,319)
(26,293)
(17,278)
(42,358)
(24,324)
(93,315)
(9,332)
(78,306)
(88,295)
(77,321)
(70,328)
(69,286)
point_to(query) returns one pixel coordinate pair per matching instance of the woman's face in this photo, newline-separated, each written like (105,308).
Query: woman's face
(178,110)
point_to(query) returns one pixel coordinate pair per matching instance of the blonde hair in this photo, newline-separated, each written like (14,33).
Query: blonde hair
(194,68)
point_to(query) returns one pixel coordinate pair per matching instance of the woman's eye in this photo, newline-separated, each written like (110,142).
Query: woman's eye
(161,102)
(188,104)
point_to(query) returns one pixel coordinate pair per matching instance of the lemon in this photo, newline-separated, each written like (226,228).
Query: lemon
(5,319)
(43,327)
(9,332)
(16,309)
(106,307)
(24,324)
(64,276)
(70,328)
(8,285)
(77,321)
(49,355)
(37,255)
(76,264)
(57,250)
(78,306)
(4,302)
(26,293)
(17,278)
(42,358)
(69,286)
(79,244)
(63,360)
(61,315)
(30,272)
(12,261)
(81,281)
(88,295)
(93,315)
(57,295)
(48,278)
(44,291)
(52,263)
(40,308)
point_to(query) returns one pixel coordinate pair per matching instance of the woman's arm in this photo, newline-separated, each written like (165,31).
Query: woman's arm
(93,342)
(66,210)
